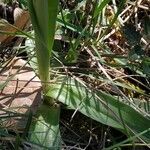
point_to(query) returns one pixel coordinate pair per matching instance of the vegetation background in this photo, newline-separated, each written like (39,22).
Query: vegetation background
(93,60)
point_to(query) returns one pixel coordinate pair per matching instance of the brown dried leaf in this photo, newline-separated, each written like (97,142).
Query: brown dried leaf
(21,19)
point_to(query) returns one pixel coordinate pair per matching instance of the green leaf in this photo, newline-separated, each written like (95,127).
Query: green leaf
(100,7)
(147,28)
(44,130)
(43,16)
(72,56)
(101,107)
(146,66)
(136,53)
(131,34)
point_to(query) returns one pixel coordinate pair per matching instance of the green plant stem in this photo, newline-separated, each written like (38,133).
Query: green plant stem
(43,16)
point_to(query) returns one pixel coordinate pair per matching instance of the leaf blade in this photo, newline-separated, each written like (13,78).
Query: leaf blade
(101,107)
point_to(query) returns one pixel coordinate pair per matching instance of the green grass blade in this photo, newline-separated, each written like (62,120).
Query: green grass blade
(120,7)
(73,27)
(100,7)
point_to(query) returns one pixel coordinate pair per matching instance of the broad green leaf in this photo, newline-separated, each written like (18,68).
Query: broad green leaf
(44,129)
(101,107)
